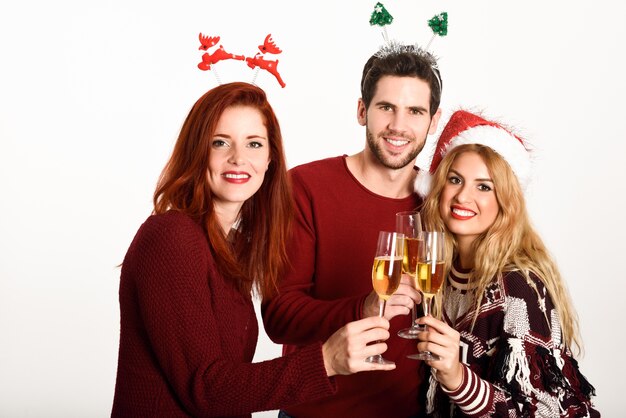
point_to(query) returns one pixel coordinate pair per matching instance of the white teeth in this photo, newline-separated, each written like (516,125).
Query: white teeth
(236,176)
(462,212)
(397,143)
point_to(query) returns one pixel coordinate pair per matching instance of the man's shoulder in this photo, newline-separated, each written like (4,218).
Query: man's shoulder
(322,165)
(324,170)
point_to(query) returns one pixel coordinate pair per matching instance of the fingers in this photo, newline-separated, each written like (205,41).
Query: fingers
(373,349)
(410,289)
(367,366)
(443,344)
(405,279)
(367,323)
(407,290)
(380,367)
(358,363)
(359,334)
(438,332)
(405,295)
(435,324)
(346,350)
(402,301)
(394,310)
(371,335)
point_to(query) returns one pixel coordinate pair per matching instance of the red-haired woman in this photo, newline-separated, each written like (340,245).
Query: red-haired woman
(222,209)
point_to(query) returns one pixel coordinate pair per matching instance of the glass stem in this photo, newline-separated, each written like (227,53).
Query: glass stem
(426,304)
(381,307)
(414,316)
(381,311)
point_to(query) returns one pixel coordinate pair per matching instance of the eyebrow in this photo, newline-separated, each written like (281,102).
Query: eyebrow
(247,137)
(386,103)
(478,179)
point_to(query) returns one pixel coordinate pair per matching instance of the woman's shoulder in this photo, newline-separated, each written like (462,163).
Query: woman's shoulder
(528,305)
(171,223)
(169,230)
(518,282)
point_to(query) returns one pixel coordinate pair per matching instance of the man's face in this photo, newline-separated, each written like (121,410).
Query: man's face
(398,120)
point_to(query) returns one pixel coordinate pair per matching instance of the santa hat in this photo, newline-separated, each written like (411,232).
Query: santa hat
(467,128)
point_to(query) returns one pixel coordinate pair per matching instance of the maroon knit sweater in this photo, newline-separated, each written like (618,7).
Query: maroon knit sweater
(332,251)
(188,337)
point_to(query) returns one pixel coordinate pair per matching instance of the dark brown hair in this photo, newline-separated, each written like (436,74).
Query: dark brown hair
(401,61)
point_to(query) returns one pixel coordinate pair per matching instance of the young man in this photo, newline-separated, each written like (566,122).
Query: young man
(341,205)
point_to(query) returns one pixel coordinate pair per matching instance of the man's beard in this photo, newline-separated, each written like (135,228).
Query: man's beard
(380,155)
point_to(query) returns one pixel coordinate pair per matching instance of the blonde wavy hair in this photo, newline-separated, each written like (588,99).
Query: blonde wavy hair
(511,243)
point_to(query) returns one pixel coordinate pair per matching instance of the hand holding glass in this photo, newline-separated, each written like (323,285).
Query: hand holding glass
(386,274)
(410,224)
(430,275)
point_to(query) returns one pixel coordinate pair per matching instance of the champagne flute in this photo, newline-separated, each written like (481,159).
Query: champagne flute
(430,264)
(410,224)
(386,274)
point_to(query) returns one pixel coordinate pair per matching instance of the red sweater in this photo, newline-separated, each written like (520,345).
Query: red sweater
(188,337)
(332,251)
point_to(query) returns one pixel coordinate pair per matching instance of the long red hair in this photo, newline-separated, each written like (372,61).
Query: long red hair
(254,258)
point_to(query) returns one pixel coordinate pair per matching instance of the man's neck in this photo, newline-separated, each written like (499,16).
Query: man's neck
(378,179)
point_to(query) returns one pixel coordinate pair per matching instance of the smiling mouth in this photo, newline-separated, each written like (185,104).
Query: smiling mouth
(463,213)
(397,142)
(237,176)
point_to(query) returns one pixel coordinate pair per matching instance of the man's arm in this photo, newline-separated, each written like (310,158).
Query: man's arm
(296,316)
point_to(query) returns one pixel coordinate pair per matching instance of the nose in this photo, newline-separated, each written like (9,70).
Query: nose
(236,156)
(397,122)
(464,194)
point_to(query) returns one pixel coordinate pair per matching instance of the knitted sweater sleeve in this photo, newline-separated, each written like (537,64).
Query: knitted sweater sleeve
(531,373)
(297,315)
(171,263)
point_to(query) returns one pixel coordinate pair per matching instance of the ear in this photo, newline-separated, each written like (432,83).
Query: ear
(361,113)
(434,122)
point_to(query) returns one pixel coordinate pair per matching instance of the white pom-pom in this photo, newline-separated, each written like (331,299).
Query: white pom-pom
(422,183)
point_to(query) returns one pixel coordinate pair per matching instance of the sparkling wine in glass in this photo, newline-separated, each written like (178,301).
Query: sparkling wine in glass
(430,265)
(410,224)
(386,274)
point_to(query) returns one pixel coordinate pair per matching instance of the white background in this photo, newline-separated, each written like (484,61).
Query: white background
(92,95)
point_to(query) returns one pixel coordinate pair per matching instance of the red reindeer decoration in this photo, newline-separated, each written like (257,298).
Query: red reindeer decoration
(268,65)
(257,62)
(219,54)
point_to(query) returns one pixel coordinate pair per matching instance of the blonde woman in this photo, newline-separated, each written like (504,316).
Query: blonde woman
(507,327)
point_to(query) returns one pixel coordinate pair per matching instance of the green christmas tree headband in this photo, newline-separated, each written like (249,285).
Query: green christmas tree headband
(438,23)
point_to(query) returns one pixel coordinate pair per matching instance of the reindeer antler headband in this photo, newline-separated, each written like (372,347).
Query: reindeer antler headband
(256,62)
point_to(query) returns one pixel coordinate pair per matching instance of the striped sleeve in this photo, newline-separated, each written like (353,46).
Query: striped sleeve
(474,396)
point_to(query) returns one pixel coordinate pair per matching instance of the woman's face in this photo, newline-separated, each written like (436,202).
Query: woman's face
(468,203)
(240,156)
